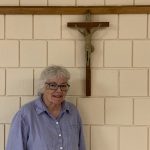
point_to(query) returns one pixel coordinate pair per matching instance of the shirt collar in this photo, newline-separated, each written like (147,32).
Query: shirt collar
(40,106)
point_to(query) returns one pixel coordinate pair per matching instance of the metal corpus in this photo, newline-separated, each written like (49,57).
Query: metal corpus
(87,29)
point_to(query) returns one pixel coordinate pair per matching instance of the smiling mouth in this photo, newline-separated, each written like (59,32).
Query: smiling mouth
(57,96)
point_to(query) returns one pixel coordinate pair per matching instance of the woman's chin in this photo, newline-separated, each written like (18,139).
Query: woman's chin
(57,101)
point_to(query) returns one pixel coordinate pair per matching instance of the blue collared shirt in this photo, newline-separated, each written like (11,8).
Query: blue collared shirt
(34,128)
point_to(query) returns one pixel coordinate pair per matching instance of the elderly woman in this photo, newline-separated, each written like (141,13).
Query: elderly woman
(48,122)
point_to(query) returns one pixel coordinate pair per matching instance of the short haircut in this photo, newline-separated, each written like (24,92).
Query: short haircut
(51,72)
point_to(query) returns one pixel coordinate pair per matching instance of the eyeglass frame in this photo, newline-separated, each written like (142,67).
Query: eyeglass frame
(58,86)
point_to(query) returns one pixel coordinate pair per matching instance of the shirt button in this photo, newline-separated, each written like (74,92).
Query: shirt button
(56,122)
(59,134)
(61,147)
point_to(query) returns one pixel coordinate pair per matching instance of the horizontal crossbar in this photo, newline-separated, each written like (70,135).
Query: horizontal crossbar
(88,24)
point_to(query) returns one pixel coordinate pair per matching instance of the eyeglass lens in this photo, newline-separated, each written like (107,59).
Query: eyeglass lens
(55,86)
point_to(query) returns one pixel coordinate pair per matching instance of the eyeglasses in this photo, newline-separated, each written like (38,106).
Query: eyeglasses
(55,86)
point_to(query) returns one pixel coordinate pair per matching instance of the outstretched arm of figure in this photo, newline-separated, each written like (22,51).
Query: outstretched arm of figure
(83,32)
(95,29)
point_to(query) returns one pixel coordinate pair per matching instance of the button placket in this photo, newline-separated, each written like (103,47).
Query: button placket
(60,140)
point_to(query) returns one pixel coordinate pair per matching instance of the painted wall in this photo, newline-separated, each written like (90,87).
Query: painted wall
(117,115)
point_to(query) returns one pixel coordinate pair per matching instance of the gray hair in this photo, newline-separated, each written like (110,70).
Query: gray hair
(51,72)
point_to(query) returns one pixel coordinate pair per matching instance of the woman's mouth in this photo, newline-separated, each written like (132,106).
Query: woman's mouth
(57,96)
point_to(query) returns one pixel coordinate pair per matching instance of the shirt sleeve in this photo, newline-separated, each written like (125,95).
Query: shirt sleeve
(81,135)
(17,138)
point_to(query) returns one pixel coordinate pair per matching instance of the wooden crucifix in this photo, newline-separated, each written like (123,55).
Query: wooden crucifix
(87,29)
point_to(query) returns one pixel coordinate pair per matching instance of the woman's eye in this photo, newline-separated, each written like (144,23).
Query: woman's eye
(63,86)
(53,85)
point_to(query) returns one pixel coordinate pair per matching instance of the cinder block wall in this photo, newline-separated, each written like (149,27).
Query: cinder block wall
(117,115)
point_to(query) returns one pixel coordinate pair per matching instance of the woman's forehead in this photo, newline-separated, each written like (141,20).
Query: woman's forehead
(61,79)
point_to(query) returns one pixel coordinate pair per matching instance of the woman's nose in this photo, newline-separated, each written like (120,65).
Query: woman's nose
(59,89)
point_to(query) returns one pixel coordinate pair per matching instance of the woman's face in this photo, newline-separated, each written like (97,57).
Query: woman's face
(54,94)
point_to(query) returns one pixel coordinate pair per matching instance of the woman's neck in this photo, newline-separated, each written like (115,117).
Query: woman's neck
(54,109)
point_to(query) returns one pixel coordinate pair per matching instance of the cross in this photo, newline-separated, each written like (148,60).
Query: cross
(87,29)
